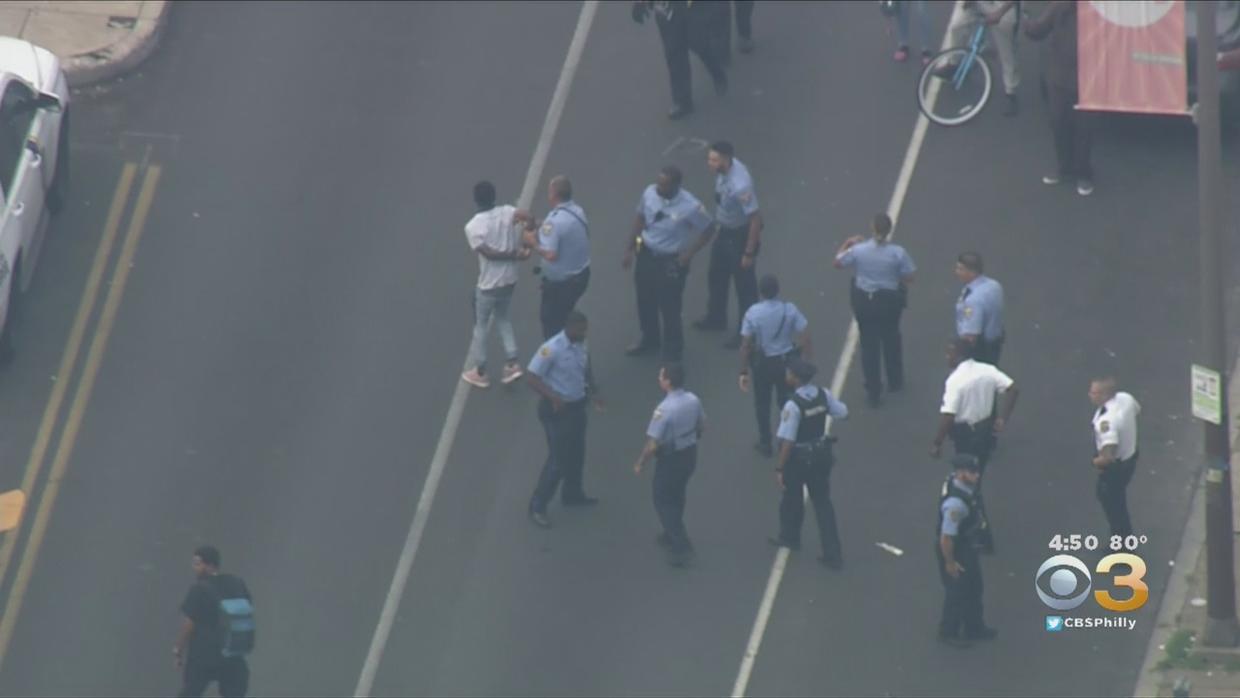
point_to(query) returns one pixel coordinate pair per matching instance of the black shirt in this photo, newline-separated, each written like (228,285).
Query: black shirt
(202,606)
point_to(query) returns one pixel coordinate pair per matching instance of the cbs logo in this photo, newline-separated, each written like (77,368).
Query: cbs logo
(1068,582)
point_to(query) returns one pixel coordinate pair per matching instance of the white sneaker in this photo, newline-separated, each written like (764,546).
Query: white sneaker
(1085,187)
(511,373)
(478,380)
(1051,179)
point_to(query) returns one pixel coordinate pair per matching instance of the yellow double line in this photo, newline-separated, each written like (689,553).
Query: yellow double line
(44,501)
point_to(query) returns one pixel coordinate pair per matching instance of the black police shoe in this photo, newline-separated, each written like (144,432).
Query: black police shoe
(679,111)
(982,635)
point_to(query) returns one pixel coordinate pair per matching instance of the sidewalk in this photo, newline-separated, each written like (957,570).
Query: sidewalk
(95,40)
(1173,659)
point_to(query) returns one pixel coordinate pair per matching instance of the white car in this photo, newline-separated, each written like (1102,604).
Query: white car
(34,123)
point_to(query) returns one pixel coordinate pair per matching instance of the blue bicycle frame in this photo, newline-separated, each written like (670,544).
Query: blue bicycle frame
(975,47)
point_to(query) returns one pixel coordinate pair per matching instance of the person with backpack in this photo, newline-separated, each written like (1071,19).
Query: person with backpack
(218,631)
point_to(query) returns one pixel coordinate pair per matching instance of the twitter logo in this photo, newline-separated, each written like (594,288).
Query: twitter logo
(1054,624)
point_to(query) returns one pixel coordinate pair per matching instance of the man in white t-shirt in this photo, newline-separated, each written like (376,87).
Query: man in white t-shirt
(1115,440)
(493,233)
(968,412)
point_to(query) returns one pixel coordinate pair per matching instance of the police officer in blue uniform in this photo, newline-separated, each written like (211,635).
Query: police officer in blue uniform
(671,226)
(560,374)
(671,439)
(959,524)
(805,462)
(773,332)
(979,309)
(878,294)
(738,237)
(563,241)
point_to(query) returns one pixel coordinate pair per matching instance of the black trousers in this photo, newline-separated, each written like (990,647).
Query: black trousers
(232,674)
(987,351)
(660,284)
(962,596)
(878,322)
(725,266)
(672,471)
(768,377)
(744,18)
(558,300)
(800,475)
(566,453)
(693,28)
(1072,130)
(1112,492)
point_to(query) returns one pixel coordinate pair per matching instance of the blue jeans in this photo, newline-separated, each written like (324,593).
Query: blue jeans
(491,305)
(906,8)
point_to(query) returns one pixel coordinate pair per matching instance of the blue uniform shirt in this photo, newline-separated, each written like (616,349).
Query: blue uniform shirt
(671,224)
(762,323)
(562,366)
(677,420)
(565,231)
(790,420)
(954,510)
(734,197)
(878,267)
(979,310)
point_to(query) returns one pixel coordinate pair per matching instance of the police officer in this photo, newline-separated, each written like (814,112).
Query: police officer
(686,25)
(805,462)
(879,294)
(671,226)
(1115,438)
(671,439)
(979,310)
(738,236)
(563,240)
(560,374)
(959,525)
(773,332)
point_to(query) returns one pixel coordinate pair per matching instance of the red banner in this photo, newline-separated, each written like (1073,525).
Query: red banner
(1131,56)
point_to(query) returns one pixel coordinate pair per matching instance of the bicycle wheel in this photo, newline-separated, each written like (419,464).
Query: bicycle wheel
(950,92)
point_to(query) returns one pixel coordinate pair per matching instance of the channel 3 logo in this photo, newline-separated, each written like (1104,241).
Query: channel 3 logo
(1068,582)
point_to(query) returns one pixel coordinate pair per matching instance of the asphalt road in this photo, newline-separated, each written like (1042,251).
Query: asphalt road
(294,324)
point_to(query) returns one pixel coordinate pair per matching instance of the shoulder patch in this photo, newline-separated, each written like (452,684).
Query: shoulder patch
(786,415)
(1104,426)
(956,514)
(545,352)
(546,229)
(745,196)
(968,311)
(658,414)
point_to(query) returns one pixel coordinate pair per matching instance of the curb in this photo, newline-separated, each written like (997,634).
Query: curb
(1192,546)
(121,57)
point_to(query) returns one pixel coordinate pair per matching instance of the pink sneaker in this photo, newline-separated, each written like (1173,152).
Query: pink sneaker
(478,380)
(511,373)
(901,54)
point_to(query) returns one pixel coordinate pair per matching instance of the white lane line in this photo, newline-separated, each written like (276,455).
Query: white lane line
(453,421)
(837,387)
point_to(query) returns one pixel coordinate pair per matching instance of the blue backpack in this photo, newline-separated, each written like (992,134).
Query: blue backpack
(236,617)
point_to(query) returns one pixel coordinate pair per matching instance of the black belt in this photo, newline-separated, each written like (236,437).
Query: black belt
(975,425)
(657,255)
(569,278)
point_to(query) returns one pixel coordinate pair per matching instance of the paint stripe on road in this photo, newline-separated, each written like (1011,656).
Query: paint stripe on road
(452,422)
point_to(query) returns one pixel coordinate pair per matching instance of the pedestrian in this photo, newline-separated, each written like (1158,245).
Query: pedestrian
(563,241)
(902,12)
(561,374)
(878,294)
(684,26)
(1115,438)
(979,309)
(744,24)
(670,228)
(1001,17)
(671,439)
(737,239)
(774,332)
(1072,128)
(218,630)
(493,234)
(968,413)
(805,462)
(960,568)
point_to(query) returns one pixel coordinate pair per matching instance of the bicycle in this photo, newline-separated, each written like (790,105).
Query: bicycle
(955,84)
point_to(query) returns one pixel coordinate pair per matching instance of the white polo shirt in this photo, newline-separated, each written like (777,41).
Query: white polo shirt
(1115,424)
(496,229)
(969,393)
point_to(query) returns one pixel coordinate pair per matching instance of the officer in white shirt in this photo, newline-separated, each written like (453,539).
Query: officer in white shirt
(968,412)
(1115,437)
